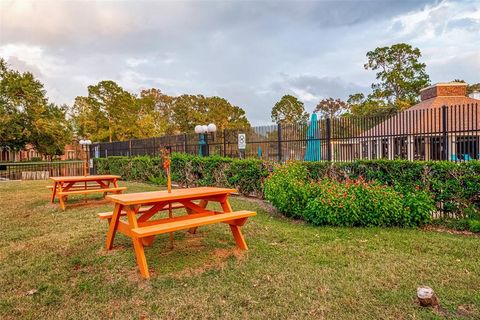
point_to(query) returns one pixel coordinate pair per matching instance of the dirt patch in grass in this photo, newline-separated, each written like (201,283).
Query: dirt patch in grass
(218,260)
(450,231)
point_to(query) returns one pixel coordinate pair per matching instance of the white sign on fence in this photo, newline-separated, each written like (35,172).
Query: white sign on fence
(242,141)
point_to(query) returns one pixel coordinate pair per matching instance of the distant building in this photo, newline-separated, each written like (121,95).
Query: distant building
(418,133)
(71,151)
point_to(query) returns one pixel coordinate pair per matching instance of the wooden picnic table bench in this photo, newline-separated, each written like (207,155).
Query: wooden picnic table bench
(73,185)
(139,208)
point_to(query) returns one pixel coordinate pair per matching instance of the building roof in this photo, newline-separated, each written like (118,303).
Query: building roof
(425,117)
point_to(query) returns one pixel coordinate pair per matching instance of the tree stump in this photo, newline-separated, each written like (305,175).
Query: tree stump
(427,297)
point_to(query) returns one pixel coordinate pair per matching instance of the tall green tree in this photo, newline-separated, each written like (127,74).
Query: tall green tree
(289,110)
(108,113)
(52,130)
(188,111)
(332,108)
(400,73)
(366,106)
(27,117)
(154,113)
(401,76)
(191,110)
(224,114)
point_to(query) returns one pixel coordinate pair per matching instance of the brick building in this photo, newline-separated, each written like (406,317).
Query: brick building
(419,132)
(72,151)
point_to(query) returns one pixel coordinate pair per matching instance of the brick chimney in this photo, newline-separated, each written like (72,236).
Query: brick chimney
(450,89)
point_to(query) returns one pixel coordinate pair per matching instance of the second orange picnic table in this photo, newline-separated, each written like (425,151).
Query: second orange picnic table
(141,207)
(74,185)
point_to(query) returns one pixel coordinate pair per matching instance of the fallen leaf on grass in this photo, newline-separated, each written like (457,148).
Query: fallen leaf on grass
(31,292)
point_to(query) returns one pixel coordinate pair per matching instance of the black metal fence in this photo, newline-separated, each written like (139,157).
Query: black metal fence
(40,170)
(433,133)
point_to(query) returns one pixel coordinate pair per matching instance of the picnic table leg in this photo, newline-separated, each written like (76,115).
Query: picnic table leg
(239,239)
(148,241)
(203,204)
(113,226)
(62,202)
(54,192)
(237,233)
(85,195)
(107,187)
(141,260)
(137,243)
(61,198)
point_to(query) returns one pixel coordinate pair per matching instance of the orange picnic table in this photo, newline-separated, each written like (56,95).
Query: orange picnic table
(139,208)
(73,185)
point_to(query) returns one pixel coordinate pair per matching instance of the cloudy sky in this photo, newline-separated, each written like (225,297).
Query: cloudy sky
(250,52)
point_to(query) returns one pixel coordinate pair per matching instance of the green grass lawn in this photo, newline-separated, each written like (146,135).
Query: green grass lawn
(292,270)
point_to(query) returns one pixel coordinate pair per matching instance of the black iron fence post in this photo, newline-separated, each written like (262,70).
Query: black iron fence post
(224,142)
(155,147)
(445,132)
(185,143)
(328,137)
(279,131)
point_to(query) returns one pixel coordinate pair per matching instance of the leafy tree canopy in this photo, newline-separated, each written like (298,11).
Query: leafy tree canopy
(401,76)
(191,110)
(108,113)
(27,117)
(332,108)
(289,110)
(362,106)
(111,113)
(400,72)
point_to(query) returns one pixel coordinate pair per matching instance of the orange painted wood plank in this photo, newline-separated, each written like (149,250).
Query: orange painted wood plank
(176,194)
(85,191)
(179,218)
(108,215)
(189,223)
(85,178)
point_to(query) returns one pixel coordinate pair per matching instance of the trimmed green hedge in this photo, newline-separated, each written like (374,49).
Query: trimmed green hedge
(246,176)
(454,186)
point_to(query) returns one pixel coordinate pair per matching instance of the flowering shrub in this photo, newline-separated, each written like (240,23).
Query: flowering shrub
(361,203)
(344,203)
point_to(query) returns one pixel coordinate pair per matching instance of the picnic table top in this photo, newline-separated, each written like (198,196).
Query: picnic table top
(176,194)
(84,178)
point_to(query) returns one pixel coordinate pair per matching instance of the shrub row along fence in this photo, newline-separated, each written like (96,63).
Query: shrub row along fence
(445,133)
(454,187)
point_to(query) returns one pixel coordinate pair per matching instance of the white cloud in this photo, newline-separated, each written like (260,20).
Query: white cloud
(32,56)
(133,62)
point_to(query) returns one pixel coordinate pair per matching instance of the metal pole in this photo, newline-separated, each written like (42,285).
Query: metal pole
(328,138)
(84,160)
(445,131)
(184,143)
(279,132)
(207,148)
(224,142)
